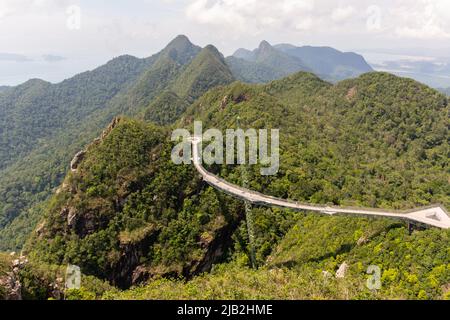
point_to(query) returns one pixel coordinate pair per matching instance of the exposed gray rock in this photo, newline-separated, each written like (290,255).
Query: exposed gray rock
(12,287)
(71,217)
(63,187)
(224,102)
(40,229)
(10,283)
(77,160)
(70,214)
(362,241)
(111,126)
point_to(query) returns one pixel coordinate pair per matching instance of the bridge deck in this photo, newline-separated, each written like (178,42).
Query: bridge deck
(435,216)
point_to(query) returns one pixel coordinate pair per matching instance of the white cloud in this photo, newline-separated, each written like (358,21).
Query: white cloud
(36,27)
(304,24)
(343,13)
(252,16)
(424,19)
(21,7)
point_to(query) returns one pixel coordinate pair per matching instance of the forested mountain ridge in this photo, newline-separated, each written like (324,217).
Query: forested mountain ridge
(33,111)
(48,124)
(377,140)
(334,65)
(262,64)
(268,55)
(168,65)
(248,71)
(128,216)
(207,70)
(385,124)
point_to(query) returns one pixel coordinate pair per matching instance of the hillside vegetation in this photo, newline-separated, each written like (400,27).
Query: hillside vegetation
(304,264)
(128,212)
(378,140)
(130,216)
(141,227)
(328,62)
(45,125)
(267,63)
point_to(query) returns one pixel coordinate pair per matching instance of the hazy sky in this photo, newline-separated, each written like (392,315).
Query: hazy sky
(86,32)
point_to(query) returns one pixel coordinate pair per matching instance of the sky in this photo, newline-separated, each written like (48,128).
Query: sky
(54,39)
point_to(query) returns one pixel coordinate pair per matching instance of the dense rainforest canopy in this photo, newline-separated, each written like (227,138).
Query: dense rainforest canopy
(130,218)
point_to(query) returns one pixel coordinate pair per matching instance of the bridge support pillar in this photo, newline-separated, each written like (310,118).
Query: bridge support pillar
(414,226)
(410,227)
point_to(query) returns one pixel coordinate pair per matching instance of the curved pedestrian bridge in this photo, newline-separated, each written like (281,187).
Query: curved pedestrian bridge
(435,216)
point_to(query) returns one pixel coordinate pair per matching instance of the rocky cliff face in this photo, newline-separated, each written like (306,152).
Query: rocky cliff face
(10,286)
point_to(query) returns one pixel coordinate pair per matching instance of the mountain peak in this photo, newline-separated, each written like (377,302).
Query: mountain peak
(212,49)
(181,49)
(35,82)
(264,45)
(207,70)
(180,40)
(180,43)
